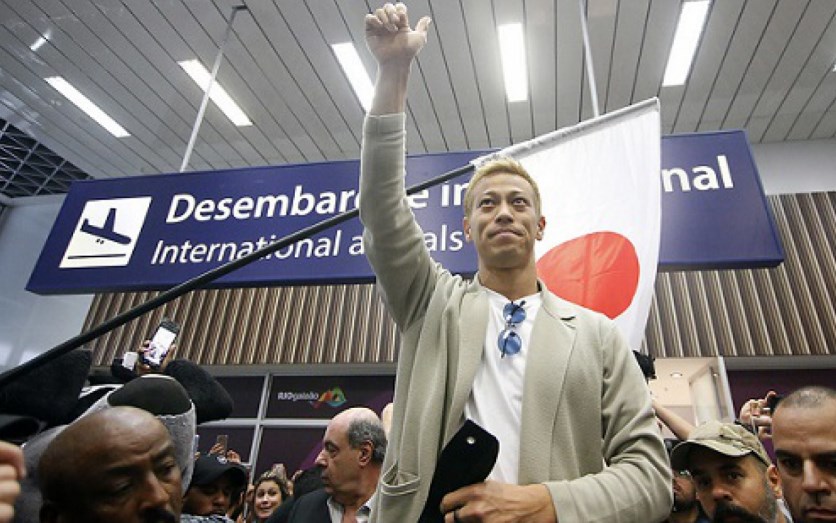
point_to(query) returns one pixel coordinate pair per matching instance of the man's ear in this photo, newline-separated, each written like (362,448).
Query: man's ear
(466,228)
(541,226)
(366,450)
(774,480)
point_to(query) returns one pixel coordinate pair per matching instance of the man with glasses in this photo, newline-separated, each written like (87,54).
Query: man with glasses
(554,382)
(686,507)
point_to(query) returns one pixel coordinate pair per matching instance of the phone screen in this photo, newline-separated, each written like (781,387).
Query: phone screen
(161,342)
(223,441)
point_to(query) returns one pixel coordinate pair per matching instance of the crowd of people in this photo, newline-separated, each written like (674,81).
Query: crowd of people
(499,355)
(126,463)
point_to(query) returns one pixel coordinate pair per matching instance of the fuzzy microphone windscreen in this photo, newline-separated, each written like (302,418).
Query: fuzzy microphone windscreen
(159,395)
(50,391)
(212,401)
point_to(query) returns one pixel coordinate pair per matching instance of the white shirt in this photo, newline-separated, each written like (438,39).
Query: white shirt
(335,510)
(495,403)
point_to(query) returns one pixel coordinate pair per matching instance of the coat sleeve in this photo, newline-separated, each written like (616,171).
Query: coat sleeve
(392,239)
(635,483)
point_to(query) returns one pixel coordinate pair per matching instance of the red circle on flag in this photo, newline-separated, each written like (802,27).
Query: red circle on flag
(599,271)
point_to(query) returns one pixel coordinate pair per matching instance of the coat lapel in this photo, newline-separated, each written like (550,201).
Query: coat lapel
(472,325)
(552,342)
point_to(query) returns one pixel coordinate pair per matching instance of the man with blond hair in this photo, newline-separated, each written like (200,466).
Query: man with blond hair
(554,382)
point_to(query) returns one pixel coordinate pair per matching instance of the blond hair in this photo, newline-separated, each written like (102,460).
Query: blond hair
(502,165)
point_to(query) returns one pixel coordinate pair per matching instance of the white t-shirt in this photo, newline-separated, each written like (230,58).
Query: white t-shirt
(495,402)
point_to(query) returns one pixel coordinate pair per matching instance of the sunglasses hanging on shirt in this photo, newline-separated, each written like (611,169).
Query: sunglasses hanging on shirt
(509,341)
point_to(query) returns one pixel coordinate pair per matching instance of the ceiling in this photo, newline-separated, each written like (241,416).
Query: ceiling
(763,65)
(28,168)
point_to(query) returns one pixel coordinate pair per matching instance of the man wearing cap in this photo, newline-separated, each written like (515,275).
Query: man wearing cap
(804,438)
(732,472)
(214,481)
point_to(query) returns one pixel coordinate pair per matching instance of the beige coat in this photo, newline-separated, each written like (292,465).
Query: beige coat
(587,431)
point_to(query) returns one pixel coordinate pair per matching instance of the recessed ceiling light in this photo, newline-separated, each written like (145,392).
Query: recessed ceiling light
(685,41)
(357,76)
(84,103)
(217,94)
(676,375)
(514,68)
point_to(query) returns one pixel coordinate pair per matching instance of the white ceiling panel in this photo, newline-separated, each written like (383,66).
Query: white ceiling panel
(815,110)
(712,53)
(795,60)
(484,49)
(656,42)
(816,66)
(569,64)
(773,52)
(744,43)
(542,60)
(626,51)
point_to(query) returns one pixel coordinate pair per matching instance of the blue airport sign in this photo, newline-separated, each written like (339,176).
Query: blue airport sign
(153,232)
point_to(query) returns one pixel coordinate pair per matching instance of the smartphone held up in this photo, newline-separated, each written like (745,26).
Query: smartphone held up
(161,343)
(222,444)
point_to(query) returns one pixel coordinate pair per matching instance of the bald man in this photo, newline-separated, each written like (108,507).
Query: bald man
(354,446)
(804,437)
(118,464)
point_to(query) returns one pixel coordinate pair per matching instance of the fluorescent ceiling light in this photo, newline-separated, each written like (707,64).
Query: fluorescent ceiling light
(84,103)
(217,94)
(356,73)
(514,69)
(688,31)
(37,44)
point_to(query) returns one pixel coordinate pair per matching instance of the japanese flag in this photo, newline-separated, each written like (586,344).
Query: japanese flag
(600,189)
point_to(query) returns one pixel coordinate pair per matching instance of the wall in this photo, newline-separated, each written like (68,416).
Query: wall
(748,384)
(797,167)
(30,324)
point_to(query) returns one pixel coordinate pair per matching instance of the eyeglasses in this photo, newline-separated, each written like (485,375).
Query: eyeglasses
(509,341)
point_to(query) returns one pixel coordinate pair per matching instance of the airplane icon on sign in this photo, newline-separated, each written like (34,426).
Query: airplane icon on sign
(107,231)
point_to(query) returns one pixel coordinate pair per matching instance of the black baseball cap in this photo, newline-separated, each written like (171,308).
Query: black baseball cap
(209,467)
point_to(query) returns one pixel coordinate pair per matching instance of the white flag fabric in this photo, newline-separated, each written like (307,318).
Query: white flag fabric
(600,189)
